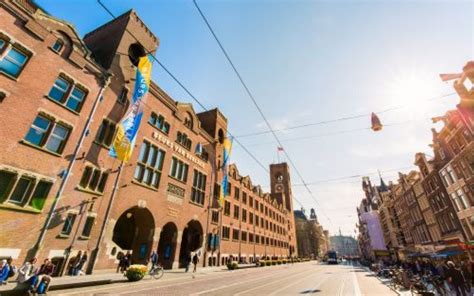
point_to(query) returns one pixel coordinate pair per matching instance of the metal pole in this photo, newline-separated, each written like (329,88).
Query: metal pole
(95,252)
(65,179)
(209,208)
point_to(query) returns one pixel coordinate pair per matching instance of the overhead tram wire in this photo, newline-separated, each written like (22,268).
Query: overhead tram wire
(249,93)
(338,119)
(190,94)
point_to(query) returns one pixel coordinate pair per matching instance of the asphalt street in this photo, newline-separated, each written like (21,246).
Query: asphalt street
(298,279)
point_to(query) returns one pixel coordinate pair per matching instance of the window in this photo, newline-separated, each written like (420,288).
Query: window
(225,232)
(86,231)
(65,92)
(244,198)
(235,234)
(68,223)
(149,165)
(183,140)
(94,179)
(451,174)
(215,217)
(159,122)
(48,134)
(226,208)
(244,215)
(14,58)
(58,45)
(251,218)
(237,193)
(236,212)
(463,199)
(106,133)
(179,170)
(257,220)
(251,237)
(244,236)
(123,96)
(251,201)
(2,96)
(199,187)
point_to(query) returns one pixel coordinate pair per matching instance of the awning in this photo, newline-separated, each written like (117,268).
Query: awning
(447,252)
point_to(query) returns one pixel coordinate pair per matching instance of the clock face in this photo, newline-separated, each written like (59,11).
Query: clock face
(279,188)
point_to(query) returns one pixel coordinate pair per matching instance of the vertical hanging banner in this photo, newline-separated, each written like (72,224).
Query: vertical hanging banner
(127,129)
(225,163)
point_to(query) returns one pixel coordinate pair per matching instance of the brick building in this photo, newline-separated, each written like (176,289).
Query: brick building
(61,97)
(312,240)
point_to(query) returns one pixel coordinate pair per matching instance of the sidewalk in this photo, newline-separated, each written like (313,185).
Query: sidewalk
(101,278)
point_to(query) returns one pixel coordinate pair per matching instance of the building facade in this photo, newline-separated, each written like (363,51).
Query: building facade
(61,98)
(312,239)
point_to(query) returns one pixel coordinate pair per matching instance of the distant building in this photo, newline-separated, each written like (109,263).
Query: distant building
(344,245)
(312,240)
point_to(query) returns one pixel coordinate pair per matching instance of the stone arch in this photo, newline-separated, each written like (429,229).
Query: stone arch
(191,241)
(167,245)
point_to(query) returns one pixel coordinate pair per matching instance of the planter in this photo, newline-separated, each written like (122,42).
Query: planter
(136,272)
(232,265)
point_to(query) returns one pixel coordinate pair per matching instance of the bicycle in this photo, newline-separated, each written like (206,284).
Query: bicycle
(156,271)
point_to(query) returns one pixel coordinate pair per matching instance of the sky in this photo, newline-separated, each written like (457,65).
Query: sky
(306,62)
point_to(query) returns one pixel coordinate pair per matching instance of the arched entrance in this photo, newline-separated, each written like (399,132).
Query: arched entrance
(134,232)
(167,245)
(191,241)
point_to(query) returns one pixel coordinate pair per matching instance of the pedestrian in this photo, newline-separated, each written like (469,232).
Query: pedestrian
(187,261)
(12,268)
(195,262)
(82,261)
(125,261)
(455,279)
(27,271)
(4,270)
(42,280)
(467,275)
(119,258)
(74,263)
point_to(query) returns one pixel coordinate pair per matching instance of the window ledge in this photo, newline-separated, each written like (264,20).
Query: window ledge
(82,189)
(84,237)
(189,149)
(183,182)
(102,144)
(62,105)
(158,129)
(62,236)
(10,76)
(19,208)
(144,185)
(196,204)
(24,142)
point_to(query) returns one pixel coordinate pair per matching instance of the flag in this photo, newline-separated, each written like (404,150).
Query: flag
(127,129)
(279,148)
(437,119)
(451,76)
(224,191)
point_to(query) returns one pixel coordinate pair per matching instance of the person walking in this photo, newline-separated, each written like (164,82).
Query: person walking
(467,276)
(74,263)
(187,261)
(27,271)
(4,271)
(154,259)
(195,262)
(12,270)
(125,261)
(80,265)
(455,279)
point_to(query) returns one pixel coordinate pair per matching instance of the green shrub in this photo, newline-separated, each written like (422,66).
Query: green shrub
(232,265)
(274,262)
(268,263)
(279,262)
(261,263)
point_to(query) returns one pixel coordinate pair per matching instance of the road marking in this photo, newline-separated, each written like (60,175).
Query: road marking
(355,282)
(341,289)
(272,282)
(294,283)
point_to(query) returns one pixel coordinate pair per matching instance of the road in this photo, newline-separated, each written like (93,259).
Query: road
(298,279)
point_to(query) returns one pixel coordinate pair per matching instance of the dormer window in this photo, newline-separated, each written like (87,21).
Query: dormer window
(183,139)
(188,121)
(58,45)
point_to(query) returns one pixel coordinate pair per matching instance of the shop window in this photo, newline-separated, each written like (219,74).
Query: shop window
(179,170)
(68,223)
(149,165)
(67,93)
(199,187)
(48,134)
(14,57)
(106,133)
(94,179)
